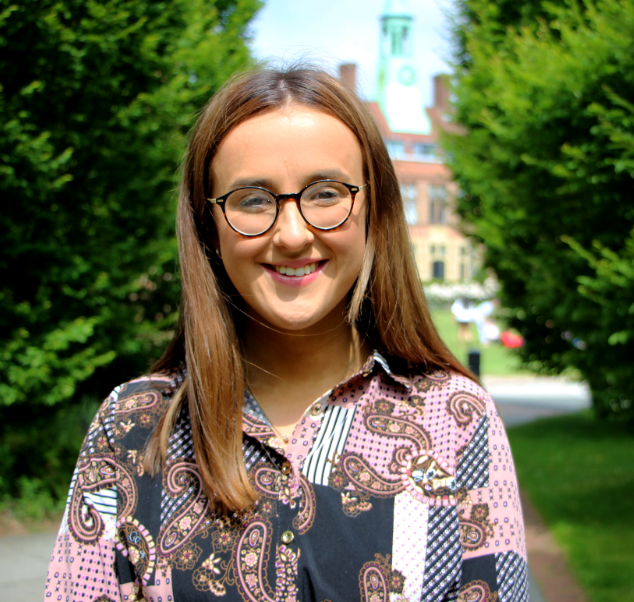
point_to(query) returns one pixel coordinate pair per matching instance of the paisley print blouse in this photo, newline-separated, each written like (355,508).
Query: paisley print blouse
(394,487)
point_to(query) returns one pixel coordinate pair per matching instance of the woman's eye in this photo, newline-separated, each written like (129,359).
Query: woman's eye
(324,196)
(255,202)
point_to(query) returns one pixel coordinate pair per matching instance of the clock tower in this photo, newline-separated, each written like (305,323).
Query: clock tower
(399,92)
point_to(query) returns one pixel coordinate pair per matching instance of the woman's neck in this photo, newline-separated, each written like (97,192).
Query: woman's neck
(287,371)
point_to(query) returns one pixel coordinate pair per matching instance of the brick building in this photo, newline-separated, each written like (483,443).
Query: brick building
(411,133)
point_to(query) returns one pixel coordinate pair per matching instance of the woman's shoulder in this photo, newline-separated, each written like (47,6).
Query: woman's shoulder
(436,385)
(448,391)
(446,382)
(130,413)
(145,392)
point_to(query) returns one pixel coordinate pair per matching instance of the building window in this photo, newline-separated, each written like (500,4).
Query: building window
(399,41)
(438,270)
(437,250)
(410,203)
(406,43)
(425,151)
(395,147)
(437,204)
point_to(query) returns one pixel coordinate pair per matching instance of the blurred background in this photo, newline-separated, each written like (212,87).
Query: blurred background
(511,127)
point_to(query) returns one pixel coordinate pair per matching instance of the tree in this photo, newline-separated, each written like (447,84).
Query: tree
(547,170)
(96,97)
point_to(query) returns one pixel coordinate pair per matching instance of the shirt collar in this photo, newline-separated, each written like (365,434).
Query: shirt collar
(377,362)
(256,423)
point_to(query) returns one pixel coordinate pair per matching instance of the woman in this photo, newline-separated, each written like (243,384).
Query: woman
(464,313)
(229,472)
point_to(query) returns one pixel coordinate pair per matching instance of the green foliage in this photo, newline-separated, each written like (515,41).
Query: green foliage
(547,172)
(579,474)
(96,98)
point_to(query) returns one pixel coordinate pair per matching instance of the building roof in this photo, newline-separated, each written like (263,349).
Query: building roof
(399,8)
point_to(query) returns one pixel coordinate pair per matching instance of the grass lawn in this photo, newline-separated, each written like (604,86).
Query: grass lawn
(495,358)
(579,473)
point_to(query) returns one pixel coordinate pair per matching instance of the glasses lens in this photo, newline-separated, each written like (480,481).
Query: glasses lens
(250,210)
(326,204)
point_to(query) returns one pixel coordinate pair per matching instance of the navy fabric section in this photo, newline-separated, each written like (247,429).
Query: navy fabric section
(326,570)
(481,568)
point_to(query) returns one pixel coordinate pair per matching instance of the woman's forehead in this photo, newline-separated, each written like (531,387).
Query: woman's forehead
(286,144)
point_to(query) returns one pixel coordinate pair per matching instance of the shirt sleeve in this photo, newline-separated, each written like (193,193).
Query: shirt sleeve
(490,513)
(82,566)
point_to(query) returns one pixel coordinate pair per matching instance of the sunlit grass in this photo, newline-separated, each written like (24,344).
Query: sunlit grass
(579,473)
(495,359)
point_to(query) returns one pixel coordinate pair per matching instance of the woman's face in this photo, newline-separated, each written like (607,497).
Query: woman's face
(284,150)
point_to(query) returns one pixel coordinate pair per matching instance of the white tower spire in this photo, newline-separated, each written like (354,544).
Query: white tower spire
(399,89)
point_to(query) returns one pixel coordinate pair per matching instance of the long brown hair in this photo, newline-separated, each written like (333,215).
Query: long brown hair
(387,305)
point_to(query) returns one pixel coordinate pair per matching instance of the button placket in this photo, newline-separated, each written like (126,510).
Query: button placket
(287,537)
(317,409)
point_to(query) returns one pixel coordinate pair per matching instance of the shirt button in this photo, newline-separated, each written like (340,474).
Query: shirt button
(287,537)
(286,468)
(316,409)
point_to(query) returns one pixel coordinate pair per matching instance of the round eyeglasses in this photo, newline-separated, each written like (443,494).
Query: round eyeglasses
(252,211)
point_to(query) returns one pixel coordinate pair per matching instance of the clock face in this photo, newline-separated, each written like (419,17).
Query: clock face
(406,75)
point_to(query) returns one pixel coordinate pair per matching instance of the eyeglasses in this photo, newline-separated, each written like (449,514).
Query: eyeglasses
(252,211)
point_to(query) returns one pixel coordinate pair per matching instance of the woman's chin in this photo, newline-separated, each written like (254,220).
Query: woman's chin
(302,323)
(299,325)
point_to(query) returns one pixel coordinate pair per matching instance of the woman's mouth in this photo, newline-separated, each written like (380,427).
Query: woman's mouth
(295,276)
(288,271)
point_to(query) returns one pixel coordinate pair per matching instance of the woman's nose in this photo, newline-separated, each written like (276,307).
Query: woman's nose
(291,230)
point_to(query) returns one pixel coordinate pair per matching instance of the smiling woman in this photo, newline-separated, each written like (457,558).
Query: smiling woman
(307,435)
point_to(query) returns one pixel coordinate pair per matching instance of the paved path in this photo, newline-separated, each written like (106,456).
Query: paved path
(24,559)
(523,399)
(23,566)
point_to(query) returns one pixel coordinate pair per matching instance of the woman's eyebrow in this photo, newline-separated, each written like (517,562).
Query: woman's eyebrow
(328,174)
(269,184)
(255,181)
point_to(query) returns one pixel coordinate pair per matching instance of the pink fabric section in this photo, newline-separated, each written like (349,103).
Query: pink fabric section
(375,448)
(409,546)
(447,431)
(452,412)
(502,495)
(448,413)
(81,572)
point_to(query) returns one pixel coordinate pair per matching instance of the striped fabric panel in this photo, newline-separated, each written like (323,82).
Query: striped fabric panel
(330,441)
(72,487)
(511,571)
(253,452)
(181,442)
(104,500)
(179,447)
(473,467)
(252,408)
(443,568)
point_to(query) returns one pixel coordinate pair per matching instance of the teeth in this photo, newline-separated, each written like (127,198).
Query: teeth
(307,269)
